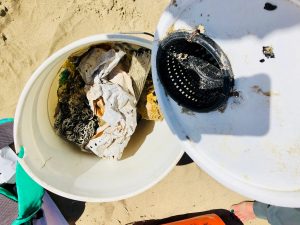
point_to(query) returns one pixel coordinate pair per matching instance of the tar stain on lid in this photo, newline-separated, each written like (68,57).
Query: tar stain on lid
(270,7)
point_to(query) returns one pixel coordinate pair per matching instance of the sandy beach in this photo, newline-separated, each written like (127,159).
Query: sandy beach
(30,31)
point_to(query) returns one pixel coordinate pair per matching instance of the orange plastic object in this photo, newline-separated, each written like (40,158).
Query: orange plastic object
(209,219)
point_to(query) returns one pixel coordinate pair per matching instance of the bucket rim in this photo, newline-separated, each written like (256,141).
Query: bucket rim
(89,40)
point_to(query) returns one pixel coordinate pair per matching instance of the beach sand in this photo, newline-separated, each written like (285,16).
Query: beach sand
(31,30)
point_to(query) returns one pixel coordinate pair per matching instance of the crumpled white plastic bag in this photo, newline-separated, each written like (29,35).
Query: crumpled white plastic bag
(114,86)
(119,116)
(8,161)
(120,77)
(98,60)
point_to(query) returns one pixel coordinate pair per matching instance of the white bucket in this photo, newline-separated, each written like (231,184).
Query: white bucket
(61,168)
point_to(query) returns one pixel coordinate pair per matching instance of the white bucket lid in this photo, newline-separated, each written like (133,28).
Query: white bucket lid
(253,147)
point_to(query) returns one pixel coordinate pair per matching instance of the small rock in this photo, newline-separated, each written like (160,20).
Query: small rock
(270,7)
(4,38)
(2,13)
(6,9)
(262,60)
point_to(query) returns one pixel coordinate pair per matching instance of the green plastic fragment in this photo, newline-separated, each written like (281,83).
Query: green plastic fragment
(63,77)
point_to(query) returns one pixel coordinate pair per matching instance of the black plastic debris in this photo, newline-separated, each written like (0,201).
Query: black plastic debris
(270,7)
(194,71)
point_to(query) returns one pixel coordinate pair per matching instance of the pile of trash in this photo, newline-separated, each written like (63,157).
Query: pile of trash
(101,96)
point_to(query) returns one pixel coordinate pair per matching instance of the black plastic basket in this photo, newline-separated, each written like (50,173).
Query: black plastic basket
(194,71)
